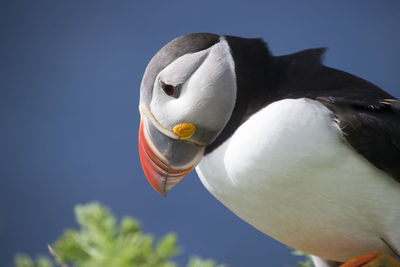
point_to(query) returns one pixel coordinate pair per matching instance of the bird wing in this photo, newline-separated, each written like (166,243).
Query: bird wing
(368,116)
(372,129)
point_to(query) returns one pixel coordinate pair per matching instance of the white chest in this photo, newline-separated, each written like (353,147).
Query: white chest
(288,172)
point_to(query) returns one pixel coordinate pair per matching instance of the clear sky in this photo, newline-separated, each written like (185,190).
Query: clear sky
(69,85)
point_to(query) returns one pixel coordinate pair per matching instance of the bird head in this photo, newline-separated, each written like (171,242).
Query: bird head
(187,96)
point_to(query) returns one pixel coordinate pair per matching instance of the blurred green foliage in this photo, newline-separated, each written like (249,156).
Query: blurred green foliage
(307,263)
(22,260)
(102,242)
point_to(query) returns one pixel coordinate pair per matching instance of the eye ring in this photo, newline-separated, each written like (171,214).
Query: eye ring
(170,90)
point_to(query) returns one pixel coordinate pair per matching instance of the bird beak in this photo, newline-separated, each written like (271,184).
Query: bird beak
(165,161)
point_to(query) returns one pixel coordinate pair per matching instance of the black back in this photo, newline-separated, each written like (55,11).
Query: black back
(368,116)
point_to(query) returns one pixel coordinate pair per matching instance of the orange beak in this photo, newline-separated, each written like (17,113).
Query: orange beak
(165,161)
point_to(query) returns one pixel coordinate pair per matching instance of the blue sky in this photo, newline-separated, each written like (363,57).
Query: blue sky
(69,85)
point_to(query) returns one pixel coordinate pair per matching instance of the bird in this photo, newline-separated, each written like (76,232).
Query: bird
(305,153)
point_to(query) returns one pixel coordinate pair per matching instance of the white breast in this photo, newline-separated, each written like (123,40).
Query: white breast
(288,172)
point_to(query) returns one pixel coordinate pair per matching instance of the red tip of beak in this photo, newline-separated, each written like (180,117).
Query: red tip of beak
(160,175)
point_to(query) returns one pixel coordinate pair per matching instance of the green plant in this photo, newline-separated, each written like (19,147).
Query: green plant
(102,242)
(307,263)
(22,260)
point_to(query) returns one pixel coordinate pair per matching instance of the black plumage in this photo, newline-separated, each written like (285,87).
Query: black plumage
(368,116)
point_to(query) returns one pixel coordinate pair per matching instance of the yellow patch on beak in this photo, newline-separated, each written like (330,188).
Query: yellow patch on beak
(184,130)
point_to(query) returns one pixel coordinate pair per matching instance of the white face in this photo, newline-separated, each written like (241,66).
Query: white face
(207,94)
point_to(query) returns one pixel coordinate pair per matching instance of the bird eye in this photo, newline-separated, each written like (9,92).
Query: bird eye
(169,89)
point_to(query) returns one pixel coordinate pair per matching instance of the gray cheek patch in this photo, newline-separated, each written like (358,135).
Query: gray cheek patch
(207,97)
(180,70)
(205,135)
(190,43)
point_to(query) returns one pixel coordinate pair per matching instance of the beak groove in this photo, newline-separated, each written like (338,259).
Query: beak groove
(161,175)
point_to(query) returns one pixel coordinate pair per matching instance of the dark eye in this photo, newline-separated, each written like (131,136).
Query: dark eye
(169,89)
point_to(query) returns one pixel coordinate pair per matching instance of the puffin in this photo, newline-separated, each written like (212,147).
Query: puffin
(305,153)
